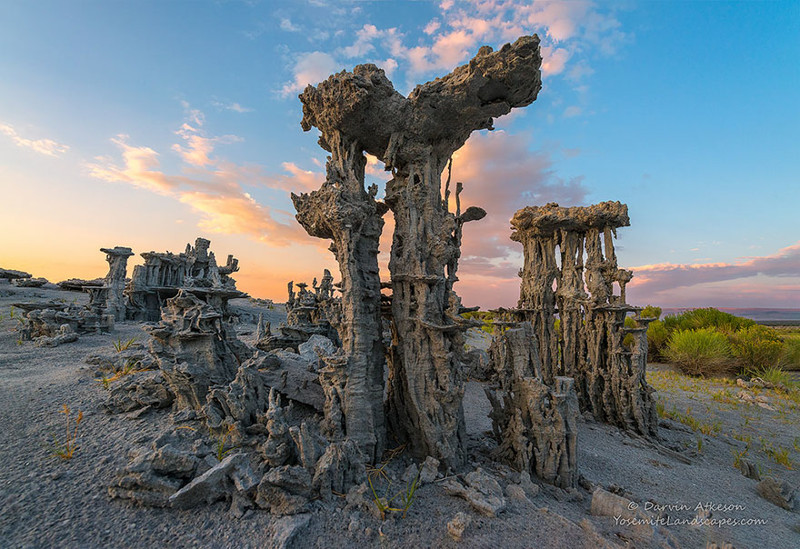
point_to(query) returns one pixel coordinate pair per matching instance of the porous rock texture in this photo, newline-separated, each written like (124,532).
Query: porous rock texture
(11,274)
(195,270)
(110,295)
(53,319)
(414,137)
(194,349)
(309,314)
(609,375)
(534,423)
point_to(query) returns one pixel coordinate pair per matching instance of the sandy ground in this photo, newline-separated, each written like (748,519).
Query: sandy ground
(46,501)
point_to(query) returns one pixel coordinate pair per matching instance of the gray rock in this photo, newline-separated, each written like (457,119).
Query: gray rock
(284,490)
(286,531)
(531,489)
(171,461)
(478,365)
(414,136)
(482,492)
(410,474)
(289,374)
(244,478)
(515,492)
(780,493)
(315,346)
(749,469)
(29,282)
(429,471)
(138,391)
(339,468)
(213,485)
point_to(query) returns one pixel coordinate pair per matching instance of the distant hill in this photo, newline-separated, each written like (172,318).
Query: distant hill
(760,315)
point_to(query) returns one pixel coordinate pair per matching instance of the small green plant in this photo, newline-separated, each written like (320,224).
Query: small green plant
(699,445)
(747,439)
(66,449)
(120,345)
(773,375)
(405,496)
(779,455)
(105,382)
(221,440)
(702,352)
(790,354)
(739,456)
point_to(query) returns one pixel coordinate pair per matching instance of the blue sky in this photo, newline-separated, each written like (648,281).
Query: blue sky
(150,123)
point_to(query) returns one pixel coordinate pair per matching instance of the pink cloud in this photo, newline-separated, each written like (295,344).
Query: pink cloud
(47,147)
(311,68)
(212,187)
(501,175)
(659,282)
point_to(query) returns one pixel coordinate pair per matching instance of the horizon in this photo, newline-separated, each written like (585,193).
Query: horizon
(149,125)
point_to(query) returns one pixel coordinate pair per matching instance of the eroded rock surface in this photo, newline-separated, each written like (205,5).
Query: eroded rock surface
(535,424)
(414,137)
(194,350)
(589,344)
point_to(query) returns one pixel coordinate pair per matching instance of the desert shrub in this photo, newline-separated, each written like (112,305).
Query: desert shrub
(486,317)
(756,348)
(703,352)
(657,337)
(790,354)
(651,311)
(706,318)
(774,375)
(628,340)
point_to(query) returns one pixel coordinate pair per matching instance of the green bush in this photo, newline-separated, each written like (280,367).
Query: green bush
(703,352)
(657,337)
(757,348)
(790,354)
(706,318)
(651,311)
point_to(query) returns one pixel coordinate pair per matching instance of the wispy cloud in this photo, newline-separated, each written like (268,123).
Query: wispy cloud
(235,107)
(48,147)
(288,26)
(663,277)
(212,187)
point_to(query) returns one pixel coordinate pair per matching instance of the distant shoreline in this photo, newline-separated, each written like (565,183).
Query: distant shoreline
(762,315)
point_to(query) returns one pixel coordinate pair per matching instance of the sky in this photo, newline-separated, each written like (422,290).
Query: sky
(148,124)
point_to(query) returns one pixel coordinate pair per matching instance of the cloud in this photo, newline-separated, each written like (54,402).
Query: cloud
(298,180)
(288,26)
(198,146)
(363,44)
(553,60)
(571,111)
(47,147)
(235,107)
(311,68)
(569,30)
(501,175)
(432,26)
(658,280)
(212,187)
